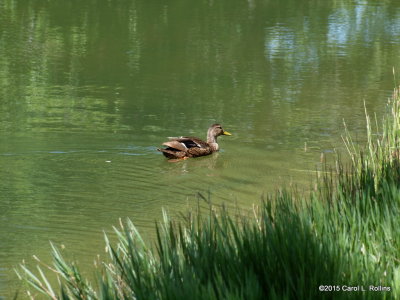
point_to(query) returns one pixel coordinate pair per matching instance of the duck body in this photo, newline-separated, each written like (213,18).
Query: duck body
(186,146)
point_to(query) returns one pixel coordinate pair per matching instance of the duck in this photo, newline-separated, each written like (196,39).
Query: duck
(185,146)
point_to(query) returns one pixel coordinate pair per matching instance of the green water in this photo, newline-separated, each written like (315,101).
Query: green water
(90,89)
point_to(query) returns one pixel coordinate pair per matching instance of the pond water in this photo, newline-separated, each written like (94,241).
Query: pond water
(90,89)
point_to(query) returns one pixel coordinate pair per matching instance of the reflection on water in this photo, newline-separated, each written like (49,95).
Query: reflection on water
(87,95)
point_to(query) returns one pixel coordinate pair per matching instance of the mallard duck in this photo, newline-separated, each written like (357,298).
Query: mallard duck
(186,146)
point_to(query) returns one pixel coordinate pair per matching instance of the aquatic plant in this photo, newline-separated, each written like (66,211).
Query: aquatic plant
(340,241)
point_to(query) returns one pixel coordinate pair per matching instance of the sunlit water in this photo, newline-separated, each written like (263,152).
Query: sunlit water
(88,93)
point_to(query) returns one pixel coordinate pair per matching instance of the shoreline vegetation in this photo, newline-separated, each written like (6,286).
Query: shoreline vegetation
(341,241)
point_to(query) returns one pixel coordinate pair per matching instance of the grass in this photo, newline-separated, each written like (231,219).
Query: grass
(344,234)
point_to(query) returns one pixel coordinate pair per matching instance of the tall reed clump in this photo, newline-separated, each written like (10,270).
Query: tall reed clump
(341,241)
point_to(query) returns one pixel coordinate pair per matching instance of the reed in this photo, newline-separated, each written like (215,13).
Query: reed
(345,234)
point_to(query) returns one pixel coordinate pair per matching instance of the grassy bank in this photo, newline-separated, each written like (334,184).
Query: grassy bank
(340,239)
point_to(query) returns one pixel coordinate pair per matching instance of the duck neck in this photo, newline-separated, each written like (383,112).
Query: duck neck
(212,141)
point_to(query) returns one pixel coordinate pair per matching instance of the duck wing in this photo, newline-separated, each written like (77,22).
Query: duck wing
(175,144)
(184,143)
(192,142)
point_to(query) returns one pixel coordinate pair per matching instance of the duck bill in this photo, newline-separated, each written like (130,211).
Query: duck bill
(226,133)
